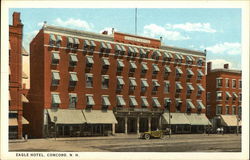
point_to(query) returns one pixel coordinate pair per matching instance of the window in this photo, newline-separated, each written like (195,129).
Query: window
(190,73)
(155,68)
(240,84)
(56,101)
(144,85)
(92,46)
(136,51)
(178,58)
(120,101)
(118,49)
(218,110)
(103,47)
(227,83)
(144,67)
(72,100)
(239,111)
(200,105)
(55,58)
(70,42)
(167,56)
(73,79)
(73,60)
(120,83)
(227,110)
(228,96)
(132,66)
(105,101)
(52,40)
(178,87)
(190,88)
(167,103)
(132,101)
(178,72)
(155,85)
(178,104)
(218,82)
(143,53)
(130,51)
(105,82)
(240,97)
(89,100)
(120,65)
(55,78)
(167,87)
(132,83)
(76,43)
(58,41)
(189,59)
(233,83)
(208,110)
(109,47)
(89,61)
(86,44)
(190,105)
(167,70)
(89,80)
(155,102)
(144,102)
(200,62)
(234,96)
(200,90)
(200,75)
(156,55)
(208,96)
(105,63)
(234,110)
(219,96)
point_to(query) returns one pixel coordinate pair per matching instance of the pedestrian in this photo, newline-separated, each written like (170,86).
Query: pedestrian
(218,130)
(222,130)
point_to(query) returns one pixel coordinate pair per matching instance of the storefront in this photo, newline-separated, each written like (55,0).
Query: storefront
(230,123)
(178,122)
(198,122)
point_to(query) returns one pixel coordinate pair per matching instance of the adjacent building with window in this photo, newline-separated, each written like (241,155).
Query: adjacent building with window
(224,97)
(17,91)
(86,83)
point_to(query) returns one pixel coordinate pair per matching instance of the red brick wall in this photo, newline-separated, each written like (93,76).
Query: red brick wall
(15,63)
(211,87)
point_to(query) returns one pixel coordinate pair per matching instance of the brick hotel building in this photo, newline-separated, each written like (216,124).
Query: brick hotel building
(224,97)
(17,90)
(85,83)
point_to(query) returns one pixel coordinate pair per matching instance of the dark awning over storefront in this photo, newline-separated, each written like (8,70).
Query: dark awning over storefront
(99,117)
(66,116)
(197,119)
(176,118)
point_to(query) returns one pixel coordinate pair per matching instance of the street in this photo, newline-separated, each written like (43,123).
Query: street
(131,143)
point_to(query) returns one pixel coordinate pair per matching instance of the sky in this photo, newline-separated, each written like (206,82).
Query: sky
(218,30)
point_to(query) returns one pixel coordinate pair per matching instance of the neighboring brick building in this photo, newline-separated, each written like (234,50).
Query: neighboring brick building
(16,90)
(224,97)
(88,83)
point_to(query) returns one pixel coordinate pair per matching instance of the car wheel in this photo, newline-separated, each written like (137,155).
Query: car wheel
(147,136)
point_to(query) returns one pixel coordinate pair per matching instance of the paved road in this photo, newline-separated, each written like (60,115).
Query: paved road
(130,143)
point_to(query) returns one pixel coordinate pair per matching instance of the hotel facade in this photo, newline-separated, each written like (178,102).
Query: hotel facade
(224,97)
(84,83)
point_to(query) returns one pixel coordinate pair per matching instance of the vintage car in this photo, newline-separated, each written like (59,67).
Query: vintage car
(155,134)
(152,134)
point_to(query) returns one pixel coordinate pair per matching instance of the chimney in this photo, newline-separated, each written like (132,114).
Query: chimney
(161,39)
(113,30)
(209,66)
(226,66)
(16,19)
(105,32)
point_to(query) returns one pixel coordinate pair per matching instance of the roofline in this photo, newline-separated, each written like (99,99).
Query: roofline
(184,49)
(149,38)
(226,70)
(77,32)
